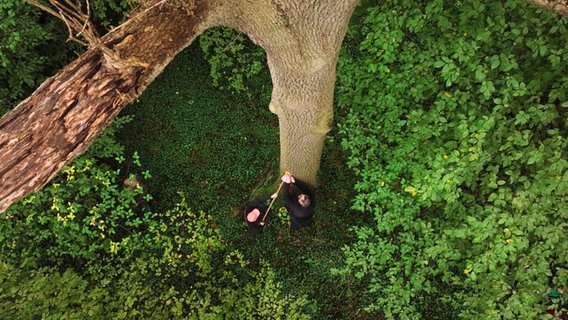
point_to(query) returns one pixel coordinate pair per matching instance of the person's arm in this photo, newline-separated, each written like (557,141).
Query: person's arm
(294,207)
(259,201)
(307,190)
(286,194)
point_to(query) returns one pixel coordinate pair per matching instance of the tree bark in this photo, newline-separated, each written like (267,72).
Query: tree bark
(302,45)
(68,111)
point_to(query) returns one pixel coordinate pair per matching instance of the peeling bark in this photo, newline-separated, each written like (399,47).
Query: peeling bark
(68,111)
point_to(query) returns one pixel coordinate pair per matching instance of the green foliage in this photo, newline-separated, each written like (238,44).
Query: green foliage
(456,126)
(108,13)
(30,50)
(236,64)
(106,146)
(83,211)
(178,268)
(83,248)
(46,294)
(198,141)
(181,268)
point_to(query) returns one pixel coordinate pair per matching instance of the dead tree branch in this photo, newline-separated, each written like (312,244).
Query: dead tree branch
(79,25)
(78,22)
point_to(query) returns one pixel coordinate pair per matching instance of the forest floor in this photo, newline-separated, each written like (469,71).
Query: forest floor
(221,150)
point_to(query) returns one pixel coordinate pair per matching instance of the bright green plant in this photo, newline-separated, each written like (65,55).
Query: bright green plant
(85,209)
(30,50)
(236,64)
(46,294)
(459,139)
(193,274)
(178,268)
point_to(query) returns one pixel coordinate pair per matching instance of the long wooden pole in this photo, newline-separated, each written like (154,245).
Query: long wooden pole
(271,202)
(274,199)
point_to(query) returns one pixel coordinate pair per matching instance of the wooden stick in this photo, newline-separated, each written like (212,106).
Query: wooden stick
(271,202)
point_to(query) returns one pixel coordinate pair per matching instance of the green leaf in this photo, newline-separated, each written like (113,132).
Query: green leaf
(522,118)
(480,74)
(487,89)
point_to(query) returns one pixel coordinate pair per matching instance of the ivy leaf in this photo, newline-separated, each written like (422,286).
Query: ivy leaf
(534,157)
(480,74)
(556,94)
(506,64)
(487,89)
(495,62)
(522,118)
(439,64)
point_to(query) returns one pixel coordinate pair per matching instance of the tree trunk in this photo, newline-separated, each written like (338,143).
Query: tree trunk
(302,41)
(68,111)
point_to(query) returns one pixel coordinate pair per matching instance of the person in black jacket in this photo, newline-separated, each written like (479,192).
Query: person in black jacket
(299,200)
(254,212)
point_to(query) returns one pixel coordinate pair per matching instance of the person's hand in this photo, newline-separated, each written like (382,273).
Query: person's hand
(288,178)
(274,196)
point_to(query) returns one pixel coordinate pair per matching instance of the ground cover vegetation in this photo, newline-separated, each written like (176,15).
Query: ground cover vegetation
(442,191)
(456,130)
(221,153)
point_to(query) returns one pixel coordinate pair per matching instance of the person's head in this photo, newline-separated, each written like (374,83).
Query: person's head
(304,200)
(131,182)
(253,215)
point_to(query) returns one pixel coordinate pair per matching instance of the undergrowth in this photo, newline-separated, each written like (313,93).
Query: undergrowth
(221,150)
